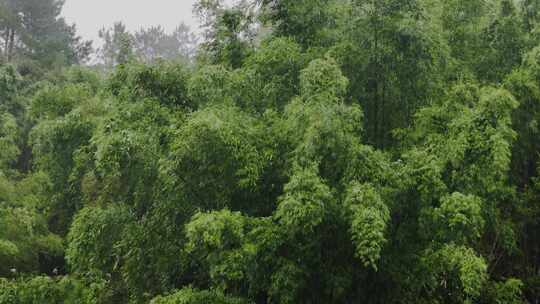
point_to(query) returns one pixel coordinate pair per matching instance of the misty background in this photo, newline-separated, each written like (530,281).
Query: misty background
(90,17)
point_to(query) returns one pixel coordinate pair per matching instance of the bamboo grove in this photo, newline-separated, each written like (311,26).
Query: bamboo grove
(311,151)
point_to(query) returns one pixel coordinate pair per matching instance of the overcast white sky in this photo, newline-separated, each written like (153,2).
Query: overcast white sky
(92,15)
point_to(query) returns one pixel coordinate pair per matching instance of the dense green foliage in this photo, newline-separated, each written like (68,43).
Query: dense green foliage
(322,151)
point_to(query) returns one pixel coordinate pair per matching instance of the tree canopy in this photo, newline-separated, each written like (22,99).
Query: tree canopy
(324,151)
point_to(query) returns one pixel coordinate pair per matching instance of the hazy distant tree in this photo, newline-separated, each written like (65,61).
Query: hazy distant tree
(154,43)
(10,24)
(146,44)
(33,29)
(117,43)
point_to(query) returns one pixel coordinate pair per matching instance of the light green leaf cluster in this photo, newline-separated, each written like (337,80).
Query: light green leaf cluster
(216,153)
(9,149)
(303,206)
(459,218)
(369,219)
(457,270)
(24,237)
(194,296)
(46,290)
(93,238)
(322,79)
(220,239)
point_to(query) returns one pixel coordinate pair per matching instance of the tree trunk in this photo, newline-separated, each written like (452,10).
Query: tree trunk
(6,44)
(9,44)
